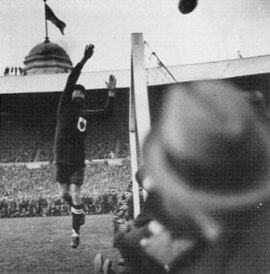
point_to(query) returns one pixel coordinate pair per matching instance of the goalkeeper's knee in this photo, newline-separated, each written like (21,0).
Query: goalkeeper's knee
(67,198)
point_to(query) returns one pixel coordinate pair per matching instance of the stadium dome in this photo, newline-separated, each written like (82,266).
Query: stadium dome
(47,58)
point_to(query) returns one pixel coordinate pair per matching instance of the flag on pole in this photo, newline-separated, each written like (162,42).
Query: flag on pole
(51,17)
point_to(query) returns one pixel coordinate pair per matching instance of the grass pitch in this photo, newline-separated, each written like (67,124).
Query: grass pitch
(41,245)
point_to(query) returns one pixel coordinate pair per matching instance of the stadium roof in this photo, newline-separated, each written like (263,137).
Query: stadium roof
(155,76)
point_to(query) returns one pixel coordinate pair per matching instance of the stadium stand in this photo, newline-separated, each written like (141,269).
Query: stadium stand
(28,125)
(27,135)
(32,192)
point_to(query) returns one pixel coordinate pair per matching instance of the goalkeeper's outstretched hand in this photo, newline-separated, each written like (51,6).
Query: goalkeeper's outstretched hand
(89,51)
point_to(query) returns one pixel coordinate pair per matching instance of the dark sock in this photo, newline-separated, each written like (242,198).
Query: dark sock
(76,222)
(77,216)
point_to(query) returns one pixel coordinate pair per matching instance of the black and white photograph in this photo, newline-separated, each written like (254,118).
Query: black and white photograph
(135,136)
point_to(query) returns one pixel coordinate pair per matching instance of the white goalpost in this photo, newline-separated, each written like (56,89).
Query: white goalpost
(139,114)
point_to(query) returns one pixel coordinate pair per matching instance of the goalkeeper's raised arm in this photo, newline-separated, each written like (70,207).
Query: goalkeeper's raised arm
(71,90)
(107,109)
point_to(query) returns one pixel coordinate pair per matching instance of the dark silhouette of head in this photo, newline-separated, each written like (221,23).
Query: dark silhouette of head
(78,94)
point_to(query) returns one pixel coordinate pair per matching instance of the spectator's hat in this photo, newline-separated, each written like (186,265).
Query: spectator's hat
(209,150)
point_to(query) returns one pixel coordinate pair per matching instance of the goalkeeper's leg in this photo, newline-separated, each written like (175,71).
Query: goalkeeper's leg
(64,192)
(78,214)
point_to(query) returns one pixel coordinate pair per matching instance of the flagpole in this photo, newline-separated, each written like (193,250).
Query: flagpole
(46,24)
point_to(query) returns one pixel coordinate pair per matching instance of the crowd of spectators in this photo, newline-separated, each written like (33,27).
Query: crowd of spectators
(16,148)
(27,135)
(13,71)
(28,192)
(29,146)
(14,152)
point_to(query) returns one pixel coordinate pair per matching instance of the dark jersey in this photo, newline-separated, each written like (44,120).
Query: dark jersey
(71,124)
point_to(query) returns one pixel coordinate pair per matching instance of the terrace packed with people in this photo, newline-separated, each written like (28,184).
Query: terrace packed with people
(29,192)
(27,132)
(34,145)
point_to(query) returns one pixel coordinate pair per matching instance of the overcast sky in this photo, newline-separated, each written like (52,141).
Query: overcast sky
(216,30)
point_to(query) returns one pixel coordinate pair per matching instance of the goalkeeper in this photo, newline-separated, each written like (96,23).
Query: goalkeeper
(69,146)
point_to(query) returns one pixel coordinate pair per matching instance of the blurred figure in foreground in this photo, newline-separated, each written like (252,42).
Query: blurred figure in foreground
(209,163)
(206,169)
